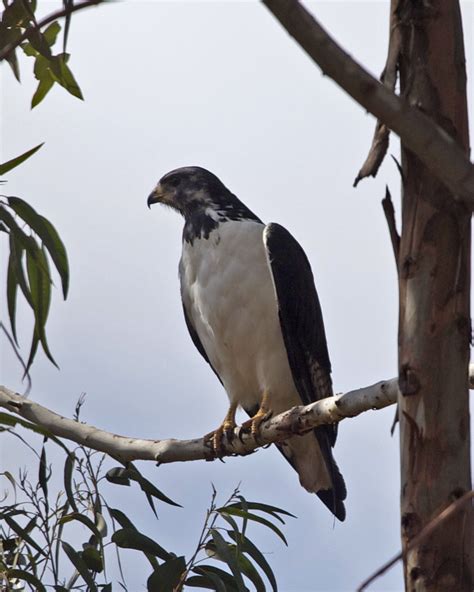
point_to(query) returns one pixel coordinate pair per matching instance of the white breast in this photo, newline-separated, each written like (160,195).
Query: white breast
(228,293)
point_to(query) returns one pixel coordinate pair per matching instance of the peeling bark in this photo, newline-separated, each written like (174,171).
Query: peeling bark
(434,330)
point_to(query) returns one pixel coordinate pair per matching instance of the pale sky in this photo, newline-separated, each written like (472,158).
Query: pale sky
(220,85)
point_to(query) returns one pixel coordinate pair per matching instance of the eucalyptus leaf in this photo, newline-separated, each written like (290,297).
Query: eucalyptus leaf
(227,554)
(68,471)
(130,538)
(218,576)
(249,548)
(167,576)
(12,288)
(233,511)
(76,559)
(48,235)
(77,517)
(93,559)
(21,532)
(11,164)
(25,576)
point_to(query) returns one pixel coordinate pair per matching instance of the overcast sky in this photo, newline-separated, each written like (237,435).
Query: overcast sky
(220,85)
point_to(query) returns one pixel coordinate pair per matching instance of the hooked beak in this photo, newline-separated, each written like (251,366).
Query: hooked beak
(155,196)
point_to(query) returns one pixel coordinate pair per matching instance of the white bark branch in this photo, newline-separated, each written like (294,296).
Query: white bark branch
(297,420)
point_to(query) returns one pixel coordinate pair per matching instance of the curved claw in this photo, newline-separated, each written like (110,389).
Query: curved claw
(254,424)
(216,438)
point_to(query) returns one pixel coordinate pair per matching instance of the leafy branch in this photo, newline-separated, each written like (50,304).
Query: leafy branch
(35,536)
(33,242)
(19,28)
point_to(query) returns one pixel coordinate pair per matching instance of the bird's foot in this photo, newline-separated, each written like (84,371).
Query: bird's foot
(254,424)
(216,438)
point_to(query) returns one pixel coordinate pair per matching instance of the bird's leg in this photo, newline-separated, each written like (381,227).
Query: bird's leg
(264,412)
(226,428)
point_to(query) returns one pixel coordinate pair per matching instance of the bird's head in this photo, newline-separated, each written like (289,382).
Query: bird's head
(189,190)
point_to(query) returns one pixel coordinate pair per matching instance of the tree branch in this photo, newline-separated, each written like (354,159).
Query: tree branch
(297,420)
(380,141)
(437,521)
(294,421)
(440,153)
(10,48)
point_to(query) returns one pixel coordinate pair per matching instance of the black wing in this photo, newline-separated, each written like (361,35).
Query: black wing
(302,326)
(197,341)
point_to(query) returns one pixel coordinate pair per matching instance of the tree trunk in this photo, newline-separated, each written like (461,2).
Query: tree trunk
(435,328)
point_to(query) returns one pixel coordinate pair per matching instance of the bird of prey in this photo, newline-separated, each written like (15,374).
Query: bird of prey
(252,311)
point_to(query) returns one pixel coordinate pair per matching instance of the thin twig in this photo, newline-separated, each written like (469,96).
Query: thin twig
(446,514)
(10,48)
(26,374)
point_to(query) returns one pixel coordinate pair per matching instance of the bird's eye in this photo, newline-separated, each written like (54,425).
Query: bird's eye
(175,182)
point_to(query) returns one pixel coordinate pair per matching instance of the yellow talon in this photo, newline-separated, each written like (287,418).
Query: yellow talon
(226,428)
(264,412)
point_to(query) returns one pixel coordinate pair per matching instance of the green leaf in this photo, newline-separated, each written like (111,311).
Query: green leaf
(68,471)
(130,538)
(218,576)
(16,257)
(33,351)
(50,34)
(76,559)
(121,518)
(118,476)
(93,559)
(122,476)
(48,234)
(40,285)
(64,76)
(11,478)
(273,510)
(251,573)
(29,50)
(202,582)
(11,164)
(12,288)
(43,476)
(43,88)
(25,576)
(13,63)
(249,548)
(247,515)
(21,532)
(77,517)
(16,14)
(38,41)
(225,553)
(167,576)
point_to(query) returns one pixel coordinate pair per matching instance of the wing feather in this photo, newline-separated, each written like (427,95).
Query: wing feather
(304,336)
(197,342)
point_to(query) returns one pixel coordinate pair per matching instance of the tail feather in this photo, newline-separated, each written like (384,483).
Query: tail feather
(326,481)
